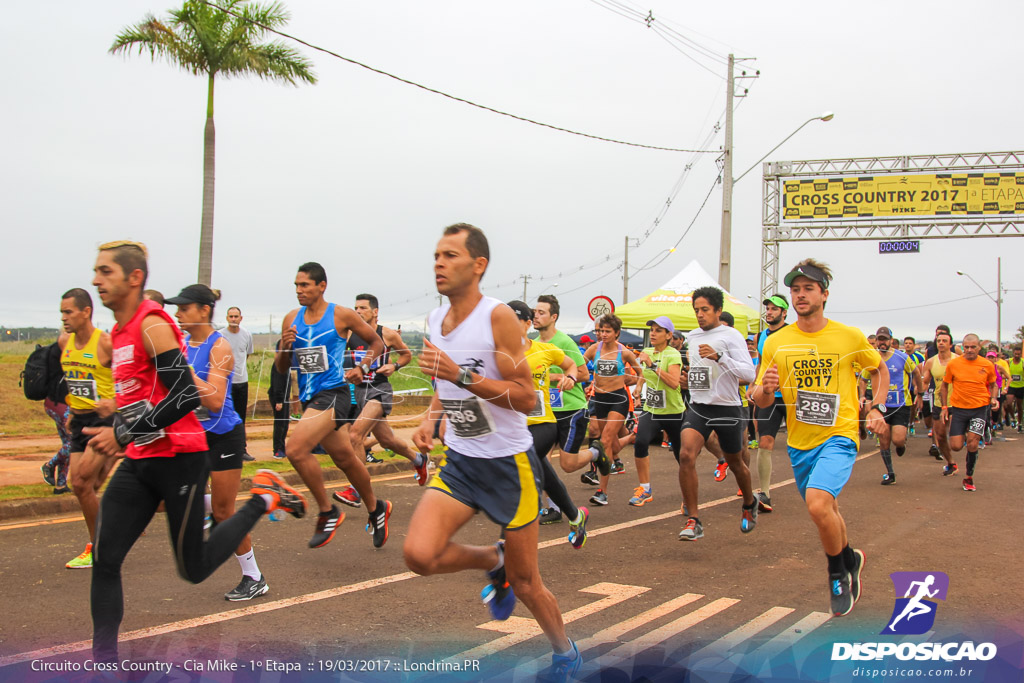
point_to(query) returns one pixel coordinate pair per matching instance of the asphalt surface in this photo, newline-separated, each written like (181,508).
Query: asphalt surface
(632,585)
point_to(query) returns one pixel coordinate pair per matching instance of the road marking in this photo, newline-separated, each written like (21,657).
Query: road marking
(520,629)
(748,630)
(790,636)
(343,590)
(210,618)
(659,635)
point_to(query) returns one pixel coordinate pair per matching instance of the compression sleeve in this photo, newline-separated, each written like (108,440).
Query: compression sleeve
(174,372)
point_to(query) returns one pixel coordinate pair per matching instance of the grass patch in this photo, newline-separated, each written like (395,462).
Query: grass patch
(16,491)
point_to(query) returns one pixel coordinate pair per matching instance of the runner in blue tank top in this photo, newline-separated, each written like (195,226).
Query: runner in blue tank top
(313,341)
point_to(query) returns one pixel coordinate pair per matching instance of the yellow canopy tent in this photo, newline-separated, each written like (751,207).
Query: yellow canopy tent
(674,300)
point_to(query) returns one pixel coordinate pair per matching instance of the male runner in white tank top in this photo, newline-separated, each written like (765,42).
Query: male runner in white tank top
(484,389)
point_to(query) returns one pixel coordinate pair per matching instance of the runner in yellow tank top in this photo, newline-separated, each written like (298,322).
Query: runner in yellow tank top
(1015,405)
(85,359)
(935,367)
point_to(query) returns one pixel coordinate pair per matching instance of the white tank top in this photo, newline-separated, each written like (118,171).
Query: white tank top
(476,428)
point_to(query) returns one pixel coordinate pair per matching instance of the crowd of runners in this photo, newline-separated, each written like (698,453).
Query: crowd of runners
(163,394)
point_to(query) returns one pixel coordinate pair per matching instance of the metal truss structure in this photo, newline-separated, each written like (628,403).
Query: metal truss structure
(775,231)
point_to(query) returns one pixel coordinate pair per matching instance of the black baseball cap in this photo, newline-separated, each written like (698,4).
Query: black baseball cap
(194,294)
(808,271)
(883,333)
(523,312)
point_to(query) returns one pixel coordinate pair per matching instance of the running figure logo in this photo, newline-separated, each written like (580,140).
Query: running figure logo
(914,613)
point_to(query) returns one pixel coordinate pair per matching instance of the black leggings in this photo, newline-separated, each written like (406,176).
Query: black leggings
(128,505)
(281,421)
(545,436)
(651,426)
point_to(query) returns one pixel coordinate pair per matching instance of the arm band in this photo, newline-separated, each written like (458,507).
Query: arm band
(182,398)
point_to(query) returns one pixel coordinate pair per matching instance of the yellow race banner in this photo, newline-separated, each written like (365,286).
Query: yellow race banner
(903,196)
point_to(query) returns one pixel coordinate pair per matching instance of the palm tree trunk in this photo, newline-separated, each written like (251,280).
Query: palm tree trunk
(206,228)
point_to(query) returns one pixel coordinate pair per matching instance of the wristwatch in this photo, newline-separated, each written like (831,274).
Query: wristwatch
(880,407)
(464,378)
(365,368)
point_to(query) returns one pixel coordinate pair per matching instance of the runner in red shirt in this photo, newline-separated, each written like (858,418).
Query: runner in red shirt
(164,447)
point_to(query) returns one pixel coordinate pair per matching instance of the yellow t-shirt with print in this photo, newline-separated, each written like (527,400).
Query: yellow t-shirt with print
(540,357)
(818,381)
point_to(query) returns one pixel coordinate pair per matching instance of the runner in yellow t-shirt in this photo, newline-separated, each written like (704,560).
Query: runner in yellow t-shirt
(811,362)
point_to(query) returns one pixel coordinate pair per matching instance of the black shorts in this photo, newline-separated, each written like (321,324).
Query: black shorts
(726,421)
(226,450)
(769,419)
(898,417)
(612,402)
(1017,392)
(963,420)
(80,421)
(337,399)
(545,435)
(572,429)
(382,393)
(926,407)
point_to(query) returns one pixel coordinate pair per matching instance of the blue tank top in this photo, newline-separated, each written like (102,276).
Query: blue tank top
(226,419)
(318,353)
(605,367)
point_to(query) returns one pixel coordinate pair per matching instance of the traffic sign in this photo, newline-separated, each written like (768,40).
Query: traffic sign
(600,305)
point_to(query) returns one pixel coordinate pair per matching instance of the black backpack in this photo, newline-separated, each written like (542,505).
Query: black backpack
(42,377)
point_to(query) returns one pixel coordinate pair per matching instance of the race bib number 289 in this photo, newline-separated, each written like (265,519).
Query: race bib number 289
(816,408)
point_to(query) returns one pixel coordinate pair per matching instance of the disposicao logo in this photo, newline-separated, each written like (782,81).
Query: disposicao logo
(914,614)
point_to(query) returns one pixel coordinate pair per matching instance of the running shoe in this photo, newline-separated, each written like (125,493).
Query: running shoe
(326,524)
(900,450)
(371,458)
(840,594)
(83,561)
(911,430)
(349,496)
(618,467)
(749,519)
(566,667)
(858,566)
(929,433)
(58,490)
(599,498)
(692,530)
(721,470)
(603,464)
(207,522)
(47,469)
(319,450)
(764,502)
(377,524)
(949,469)
(934,451)
(285,497)
(739,493)
(498,595)
(421,470)
(590,477)
(683,511)
(578,529)
(641,497)
(247,589)
(550,516)
(246,457)
(752,444)
(888,478)
(969,484)
(279,455)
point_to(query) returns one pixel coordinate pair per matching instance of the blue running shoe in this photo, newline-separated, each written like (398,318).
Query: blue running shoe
(498,595)
(566,667)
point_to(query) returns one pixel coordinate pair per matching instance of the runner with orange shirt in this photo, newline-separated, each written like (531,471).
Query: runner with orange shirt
(974,393)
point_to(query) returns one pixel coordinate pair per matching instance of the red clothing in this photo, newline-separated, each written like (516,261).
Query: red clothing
(135,379)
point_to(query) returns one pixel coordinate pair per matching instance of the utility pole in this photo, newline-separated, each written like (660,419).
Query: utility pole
(999,303)
(526,278)
(625,272)
(725,249)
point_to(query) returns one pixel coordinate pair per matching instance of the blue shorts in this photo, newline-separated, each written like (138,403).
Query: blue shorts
(825,467)
(506,489)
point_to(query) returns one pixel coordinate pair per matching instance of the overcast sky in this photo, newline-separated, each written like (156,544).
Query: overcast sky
(361,172)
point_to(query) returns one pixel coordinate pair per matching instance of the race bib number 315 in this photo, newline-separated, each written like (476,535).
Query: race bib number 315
(699,378)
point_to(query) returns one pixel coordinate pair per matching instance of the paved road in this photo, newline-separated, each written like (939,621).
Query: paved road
(638,599)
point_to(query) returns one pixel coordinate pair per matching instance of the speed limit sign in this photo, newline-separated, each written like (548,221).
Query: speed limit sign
(600,305)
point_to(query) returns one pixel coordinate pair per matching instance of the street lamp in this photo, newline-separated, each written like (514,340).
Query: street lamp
(725,249)
(998,300)
(827,116)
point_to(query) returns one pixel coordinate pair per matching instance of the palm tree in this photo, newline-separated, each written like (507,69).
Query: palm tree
(205,40)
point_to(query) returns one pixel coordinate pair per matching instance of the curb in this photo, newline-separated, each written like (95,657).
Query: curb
(33,508)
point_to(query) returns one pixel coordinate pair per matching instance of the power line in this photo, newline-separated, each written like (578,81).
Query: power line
(444,94)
